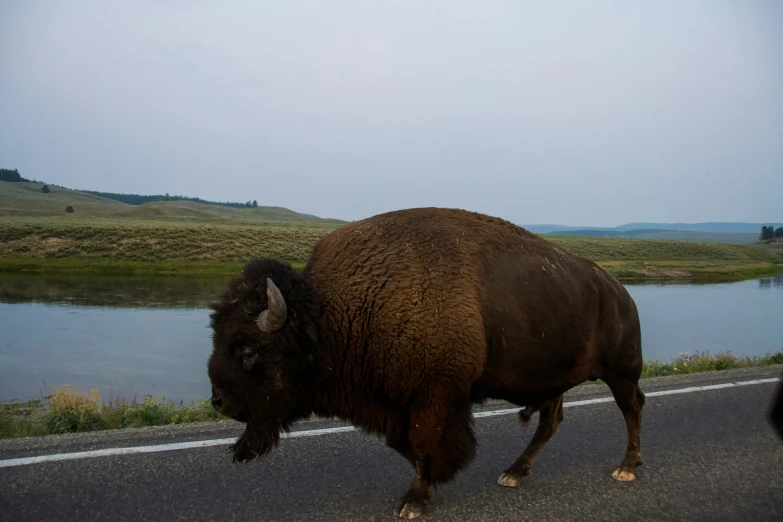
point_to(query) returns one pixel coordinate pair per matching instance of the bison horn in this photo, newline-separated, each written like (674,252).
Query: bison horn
(273,318)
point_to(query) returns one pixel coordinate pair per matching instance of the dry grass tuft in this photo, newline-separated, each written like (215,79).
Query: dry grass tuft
(70,411)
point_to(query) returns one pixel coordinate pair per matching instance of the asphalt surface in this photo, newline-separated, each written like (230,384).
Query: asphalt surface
(708,455)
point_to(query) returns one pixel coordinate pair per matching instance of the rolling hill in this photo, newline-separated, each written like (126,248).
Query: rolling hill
(734,238)
(709,227)
(714,232)
(713,227)
(25,199)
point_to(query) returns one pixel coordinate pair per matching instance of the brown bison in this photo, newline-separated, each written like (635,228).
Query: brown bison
(401,321)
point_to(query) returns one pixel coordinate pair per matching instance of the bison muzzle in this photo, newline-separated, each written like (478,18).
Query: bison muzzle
(400,322)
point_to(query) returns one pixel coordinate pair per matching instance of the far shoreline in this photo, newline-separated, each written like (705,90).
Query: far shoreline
(632,271)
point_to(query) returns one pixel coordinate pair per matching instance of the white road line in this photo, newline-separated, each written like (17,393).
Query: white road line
(589,402)
(8,463)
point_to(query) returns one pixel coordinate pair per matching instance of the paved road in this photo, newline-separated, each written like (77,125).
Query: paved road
(709,455)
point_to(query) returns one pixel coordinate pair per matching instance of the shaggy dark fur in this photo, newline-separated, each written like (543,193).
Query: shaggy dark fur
(279,365)
(402,320)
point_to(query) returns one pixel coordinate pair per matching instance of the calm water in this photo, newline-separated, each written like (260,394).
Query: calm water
(136,336)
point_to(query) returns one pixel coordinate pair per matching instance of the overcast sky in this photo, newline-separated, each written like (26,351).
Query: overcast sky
(581,113)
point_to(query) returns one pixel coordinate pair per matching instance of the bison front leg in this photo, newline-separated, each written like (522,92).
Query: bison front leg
(550,417)
(413,503)
(442,443)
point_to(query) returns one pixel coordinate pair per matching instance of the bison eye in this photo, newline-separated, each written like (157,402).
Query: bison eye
(249,357)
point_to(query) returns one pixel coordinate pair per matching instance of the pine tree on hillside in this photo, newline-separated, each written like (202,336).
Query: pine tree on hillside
(779,232)
(11,175)
(45,189)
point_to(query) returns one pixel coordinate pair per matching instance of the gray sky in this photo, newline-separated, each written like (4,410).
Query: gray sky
(583,112)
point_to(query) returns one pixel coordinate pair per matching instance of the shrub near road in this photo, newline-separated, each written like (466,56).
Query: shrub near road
(70,411)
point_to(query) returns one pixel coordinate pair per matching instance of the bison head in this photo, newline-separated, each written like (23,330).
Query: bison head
(261,368)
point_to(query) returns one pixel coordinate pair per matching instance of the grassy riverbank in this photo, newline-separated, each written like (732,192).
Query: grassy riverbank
(628,271)
(70,411)
(131,268)
(193,247)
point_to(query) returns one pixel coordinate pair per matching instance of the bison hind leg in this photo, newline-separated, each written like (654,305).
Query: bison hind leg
(551,414)
(629,399)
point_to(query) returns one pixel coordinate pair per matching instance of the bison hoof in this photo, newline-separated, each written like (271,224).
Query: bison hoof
(508,480)
(622,475)
(410,510)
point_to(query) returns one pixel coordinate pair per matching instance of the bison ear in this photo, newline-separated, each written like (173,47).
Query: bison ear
(273,318)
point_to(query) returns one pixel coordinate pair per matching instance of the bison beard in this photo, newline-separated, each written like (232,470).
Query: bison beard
(255,441)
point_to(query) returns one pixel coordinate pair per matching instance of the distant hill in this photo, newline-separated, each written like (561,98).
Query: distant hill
(714,232)
(716,226)
(552,229)
(680,235)
(26,199)
(139,199)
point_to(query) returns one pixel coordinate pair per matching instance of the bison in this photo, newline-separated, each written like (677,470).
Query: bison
(400,322)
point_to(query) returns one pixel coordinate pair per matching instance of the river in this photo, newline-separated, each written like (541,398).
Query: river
(132,336)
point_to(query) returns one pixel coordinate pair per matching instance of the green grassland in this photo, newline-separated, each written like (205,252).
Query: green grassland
(774,246)
(128,244)
(642,259)
(183,237)
(620,249)
(114,245)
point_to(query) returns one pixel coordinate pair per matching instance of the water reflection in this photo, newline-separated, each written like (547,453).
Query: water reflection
(717,318)
(765,283)
(131,336)
(112,291)
(125,336)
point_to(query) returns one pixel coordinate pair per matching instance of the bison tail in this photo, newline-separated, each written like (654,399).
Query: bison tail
(456,449)
(526,414)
